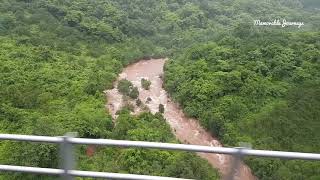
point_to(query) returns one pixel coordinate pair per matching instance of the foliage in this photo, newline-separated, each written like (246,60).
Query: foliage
(147,127)
(145,84)
(134,93)
(138,102)
(126,88)
(255,93)
(161,108)
(57,57)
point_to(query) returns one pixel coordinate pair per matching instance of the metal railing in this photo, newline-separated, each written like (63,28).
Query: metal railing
(66,151)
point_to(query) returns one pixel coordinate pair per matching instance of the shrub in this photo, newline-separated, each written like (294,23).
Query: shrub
(128,106)
(126,88)
(145,84)
(134,93)
(161,108)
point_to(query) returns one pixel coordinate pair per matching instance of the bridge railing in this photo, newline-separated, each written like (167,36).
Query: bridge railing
(66,152)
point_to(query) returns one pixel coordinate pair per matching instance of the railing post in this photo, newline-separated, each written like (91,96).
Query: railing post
(237,158)
(67,159)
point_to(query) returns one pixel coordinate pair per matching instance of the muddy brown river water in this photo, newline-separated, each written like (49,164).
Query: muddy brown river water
(187,130)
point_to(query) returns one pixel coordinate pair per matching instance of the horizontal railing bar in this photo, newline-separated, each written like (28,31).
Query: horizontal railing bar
(281,154)
(36,170)
(154,145)
(77,173)
(196,148)
(165,146)
(16,137)
(119,176)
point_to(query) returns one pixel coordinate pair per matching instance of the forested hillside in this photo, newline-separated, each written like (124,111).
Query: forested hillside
(258,92)
(244,83)
(57,57)
(259,86)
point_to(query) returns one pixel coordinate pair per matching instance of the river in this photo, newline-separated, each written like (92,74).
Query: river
(186,129)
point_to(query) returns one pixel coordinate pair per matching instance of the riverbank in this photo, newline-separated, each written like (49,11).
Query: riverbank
(187,130)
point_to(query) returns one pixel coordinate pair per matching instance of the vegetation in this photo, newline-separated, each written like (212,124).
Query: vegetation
(263,90)
(124,86)
(244,83)
(147,127)
(138,102)
(161,108)
(145,84)
(127,88)
(134,93)
(128,106)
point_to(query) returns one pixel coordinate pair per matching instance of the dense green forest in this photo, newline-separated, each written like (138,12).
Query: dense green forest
(56,59)
(263,93)
(244,83)
(257,86)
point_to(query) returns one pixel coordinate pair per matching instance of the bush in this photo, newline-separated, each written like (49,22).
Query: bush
(126,88)
(161,108)
(145,84)
(134,93)
(128,106)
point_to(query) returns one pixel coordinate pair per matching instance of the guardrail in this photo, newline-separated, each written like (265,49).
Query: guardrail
(66,152)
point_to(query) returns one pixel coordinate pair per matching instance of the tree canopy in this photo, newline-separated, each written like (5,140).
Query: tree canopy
(243,82)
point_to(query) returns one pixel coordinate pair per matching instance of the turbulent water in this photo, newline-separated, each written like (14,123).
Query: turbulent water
(187,130)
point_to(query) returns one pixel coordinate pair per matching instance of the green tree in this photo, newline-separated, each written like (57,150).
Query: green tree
(145,84)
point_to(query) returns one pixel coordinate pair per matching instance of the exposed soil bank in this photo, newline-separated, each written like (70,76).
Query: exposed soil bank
(187,130)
